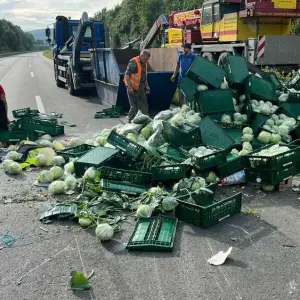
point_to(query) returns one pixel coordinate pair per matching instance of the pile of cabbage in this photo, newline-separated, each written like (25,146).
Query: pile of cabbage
(237,118)
(202,151)
(272,151)
(263,107)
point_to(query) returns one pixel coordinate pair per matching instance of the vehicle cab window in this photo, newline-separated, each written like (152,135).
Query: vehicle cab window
(207,15)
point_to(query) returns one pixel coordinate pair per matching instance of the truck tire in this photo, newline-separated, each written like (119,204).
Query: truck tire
(59,83)
(70,84)
(221,58)
(208,56)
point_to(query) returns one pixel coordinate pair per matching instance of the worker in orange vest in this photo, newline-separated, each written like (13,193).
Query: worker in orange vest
(137,86)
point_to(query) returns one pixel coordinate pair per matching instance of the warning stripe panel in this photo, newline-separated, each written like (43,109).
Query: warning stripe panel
(261,46)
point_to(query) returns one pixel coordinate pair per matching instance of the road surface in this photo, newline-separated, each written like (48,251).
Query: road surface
(263,265)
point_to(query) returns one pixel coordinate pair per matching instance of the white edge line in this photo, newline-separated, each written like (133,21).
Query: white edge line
(40,105)
(31,73)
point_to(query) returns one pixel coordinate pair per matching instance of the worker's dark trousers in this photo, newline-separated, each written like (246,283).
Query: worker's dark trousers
(138,101)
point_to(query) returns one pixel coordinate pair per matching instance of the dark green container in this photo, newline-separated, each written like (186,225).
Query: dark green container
(205,72)
(210,215)
(170,172)
(294,82)
(96,157)
(188,135)
(270,177)
(188,88)
(205,198)
(75,152)
(209,161)
(258,120)
(215,102)
(236,69)
(293,109)
(123,187)
(272,78)
(234,164)
(153,234)
(18,135)
(173,154)
(260,89)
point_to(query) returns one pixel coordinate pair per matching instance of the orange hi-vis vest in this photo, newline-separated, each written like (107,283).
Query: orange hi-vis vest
(135,79)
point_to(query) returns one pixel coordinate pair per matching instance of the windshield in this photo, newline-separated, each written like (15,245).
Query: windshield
(88,32)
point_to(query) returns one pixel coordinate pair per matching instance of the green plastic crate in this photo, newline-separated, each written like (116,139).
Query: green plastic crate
(235,131)
(260,89)
(213,135)
(132,149)
(276,162)
(205,198)
(210,215)
(258,120)
(236,69)
(123,187)
(215,102)
(294,97)
(209,161)
(205,72)
(153,234)
(234,164)
(16,136)
(31,124)
(96,157)
(270,177)
(294,82)
(292,108)
(125,175)
(75,152)
(170,172)
(113,112)
(272,78)
(188,135)
(189,88)
(25,112)
(173,154)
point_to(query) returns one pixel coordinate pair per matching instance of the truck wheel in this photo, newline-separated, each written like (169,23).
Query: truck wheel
(71,89)
(59,83)
(221,58)
(208,56)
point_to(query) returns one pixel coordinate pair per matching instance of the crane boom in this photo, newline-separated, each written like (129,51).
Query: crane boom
(160,24)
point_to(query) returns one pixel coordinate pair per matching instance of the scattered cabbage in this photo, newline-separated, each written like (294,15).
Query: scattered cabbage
(164,115)
(243,152)
(58,161)
(237,117)
(195,119)
(47,137)
(270,122)
(69,168)
(76,142)
(247,130)
(12,167)
(202,87)
(146,132)
(85,222)
(283,97)
(91,174)
(13,148)
(247,146)
(45,177)
(283,130)
(13,155)
(234,101)
(5,163)
(44,143)
(184,108)
(144,211)
(224,85)
(234,152)
(226,119)
(91,142)
(140,118)
(264,137)
(57,187)
(57,172)
(169,203)
(275,138)
(130,128)
(178,120)
(211,178)
(41,160)
(70,183)
(242,98)
(132,137)
(247,137)
(58,146)
(101,140)
(104,232)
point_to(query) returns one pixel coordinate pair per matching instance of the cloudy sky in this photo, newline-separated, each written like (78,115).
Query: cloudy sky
(36,14)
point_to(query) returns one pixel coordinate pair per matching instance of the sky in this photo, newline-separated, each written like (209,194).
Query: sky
(37,14)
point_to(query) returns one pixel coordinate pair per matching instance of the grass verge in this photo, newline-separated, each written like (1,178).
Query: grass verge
(48,54)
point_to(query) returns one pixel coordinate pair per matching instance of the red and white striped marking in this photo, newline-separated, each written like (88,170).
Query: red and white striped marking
(261,46)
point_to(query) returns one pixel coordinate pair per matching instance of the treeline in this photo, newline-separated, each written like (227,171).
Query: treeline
(134,18)
(14,39)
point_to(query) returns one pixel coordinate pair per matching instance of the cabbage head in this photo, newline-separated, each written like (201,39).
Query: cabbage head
(247,130)
(264,137)
(57,187)
(169,203)
(76,142)
(45,177)
(13,168)
(57,172)
(178,120)
(58,161)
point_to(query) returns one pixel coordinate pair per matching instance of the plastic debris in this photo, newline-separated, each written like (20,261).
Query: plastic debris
(220,258)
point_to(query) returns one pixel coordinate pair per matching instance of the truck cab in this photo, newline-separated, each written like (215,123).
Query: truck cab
(72,40)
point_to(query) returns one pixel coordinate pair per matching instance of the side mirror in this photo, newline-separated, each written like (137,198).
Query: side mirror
(48,40)
(48,32)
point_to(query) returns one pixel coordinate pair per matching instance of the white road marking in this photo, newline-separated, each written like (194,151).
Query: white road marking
(5,76)
(29,66)
(40,105)
(5,59)
(32,75)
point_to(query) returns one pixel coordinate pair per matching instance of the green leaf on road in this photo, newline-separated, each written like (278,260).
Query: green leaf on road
(79,282)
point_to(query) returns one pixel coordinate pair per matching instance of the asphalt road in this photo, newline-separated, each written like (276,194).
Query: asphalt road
(263,265)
